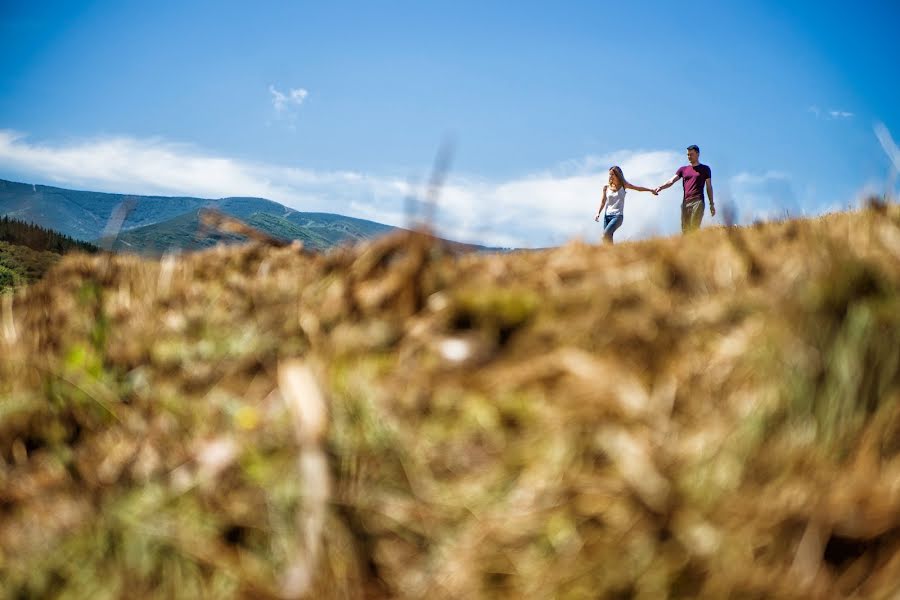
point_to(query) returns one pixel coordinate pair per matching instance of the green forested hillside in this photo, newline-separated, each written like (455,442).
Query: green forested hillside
(315,238)
(337,228)
(20,264)
(183,232)
(39,238)
(27,251)
(186,232)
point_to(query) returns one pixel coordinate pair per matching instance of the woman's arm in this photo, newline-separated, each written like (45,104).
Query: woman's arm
(638,188)
(602,204)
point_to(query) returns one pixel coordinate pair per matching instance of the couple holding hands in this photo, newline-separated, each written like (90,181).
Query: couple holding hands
(695,178)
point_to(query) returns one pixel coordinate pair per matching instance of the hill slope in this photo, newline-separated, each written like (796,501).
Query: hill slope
(708,416)
(83,215)
(183,232)
(317,231)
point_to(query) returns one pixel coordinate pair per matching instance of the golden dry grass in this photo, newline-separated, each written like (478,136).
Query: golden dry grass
(710,416)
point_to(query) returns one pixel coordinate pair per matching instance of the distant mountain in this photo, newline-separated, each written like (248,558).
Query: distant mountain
(182,232)
(317,231)
(83,215)
(316,235)
(186,232)
(337,228)
(157,224)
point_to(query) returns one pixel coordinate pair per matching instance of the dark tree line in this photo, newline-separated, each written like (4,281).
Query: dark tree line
(40,238)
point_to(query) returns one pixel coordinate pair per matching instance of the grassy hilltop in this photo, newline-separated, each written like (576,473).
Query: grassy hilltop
(710,416)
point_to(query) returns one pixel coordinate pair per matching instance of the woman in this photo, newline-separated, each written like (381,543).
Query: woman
(614,201)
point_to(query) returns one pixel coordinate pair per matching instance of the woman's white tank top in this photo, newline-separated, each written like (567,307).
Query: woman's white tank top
(615,201)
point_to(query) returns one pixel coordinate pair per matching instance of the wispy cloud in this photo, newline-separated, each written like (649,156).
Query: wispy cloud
(536,209)
(287,104)
(893,153)
(830,114)
(282,102)
(888,145)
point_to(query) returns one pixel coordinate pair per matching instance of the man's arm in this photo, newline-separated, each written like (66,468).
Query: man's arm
(709,194)
(669,183)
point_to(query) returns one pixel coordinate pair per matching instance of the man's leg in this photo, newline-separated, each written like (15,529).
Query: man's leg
(692,215)
(697,214)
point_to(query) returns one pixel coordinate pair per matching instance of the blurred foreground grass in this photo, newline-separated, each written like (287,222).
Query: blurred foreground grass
(711,416)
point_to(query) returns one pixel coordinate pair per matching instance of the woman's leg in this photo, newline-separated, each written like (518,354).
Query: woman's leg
(610,224)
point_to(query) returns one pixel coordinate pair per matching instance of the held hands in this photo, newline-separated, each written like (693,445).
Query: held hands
(656,191)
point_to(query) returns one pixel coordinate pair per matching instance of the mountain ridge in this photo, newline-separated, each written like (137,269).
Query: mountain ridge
(155,224)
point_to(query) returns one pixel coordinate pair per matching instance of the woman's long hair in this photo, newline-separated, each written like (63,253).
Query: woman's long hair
(620,178)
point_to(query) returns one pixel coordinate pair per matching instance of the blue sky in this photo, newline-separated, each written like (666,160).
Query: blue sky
(342,107)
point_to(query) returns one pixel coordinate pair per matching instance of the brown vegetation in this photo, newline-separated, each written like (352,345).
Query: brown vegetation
(710,416)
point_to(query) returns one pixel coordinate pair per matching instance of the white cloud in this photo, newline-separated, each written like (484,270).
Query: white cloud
(749,178)
(155,166)
(537,209)
(761,196)
(553,206)
(839,114)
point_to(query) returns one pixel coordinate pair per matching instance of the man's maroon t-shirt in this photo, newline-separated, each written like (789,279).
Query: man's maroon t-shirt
(694,180)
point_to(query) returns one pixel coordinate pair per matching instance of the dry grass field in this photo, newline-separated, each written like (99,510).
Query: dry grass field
(708,416)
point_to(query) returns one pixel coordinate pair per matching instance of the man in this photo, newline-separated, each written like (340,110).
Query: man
(695,177)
